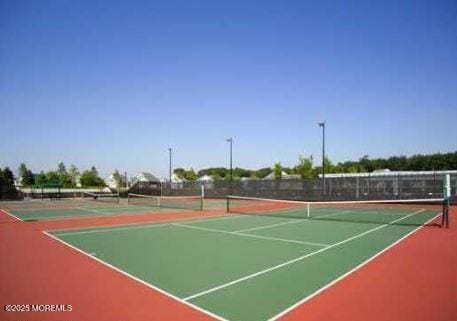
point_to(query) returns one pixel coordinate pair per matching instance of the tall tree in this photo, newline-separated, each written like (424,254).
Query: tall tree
(90,178)
(212,171)
(74,174)
(241,172)
(52,177)
(190,175)
(22,170)
(8,178)
(120,180)
(26,175)
(261,173)
(6,182)
(29,178)
(304,167)
(277,170)
(8,175)
(180,172)
(61,169)
(41,179)
(64,177)
(328,165)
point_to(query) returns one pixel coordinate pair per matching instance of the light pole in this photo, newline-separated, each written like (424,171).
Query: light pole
(169,152)
(322,124)
(230,140)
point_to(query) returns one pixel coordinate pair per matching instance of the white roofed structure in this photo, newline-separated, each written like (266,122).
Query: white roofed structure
(284,175)
(386,172)
(111,182)
(205,178)
(144,177)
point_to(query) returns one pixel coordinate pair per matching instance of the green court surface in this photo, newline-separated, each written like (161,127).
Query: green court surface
(42,210)
(244,267)
(81,211)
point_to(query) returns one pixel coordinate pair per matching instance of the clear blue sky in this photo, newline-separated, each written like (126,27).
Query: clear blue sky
(114,84)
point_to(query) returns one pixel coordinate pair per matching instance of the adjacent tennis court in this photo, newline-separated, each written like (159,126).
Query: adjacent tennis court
(258,260)
(42,210)
(39,209)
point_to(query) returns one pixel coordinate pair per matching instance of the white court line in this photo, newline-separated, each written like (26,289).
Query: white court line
(79,216)
(289,222)
(71,216)
(105,214)
(328,285)
(13,216)
(56,218)
(142,225)
(135,278)
(249,235)
(269,226)
(250,276)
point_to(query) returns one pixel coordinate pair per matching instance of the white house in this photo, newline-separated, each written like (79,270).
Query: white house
(144,177)
(177,182)
(111,182)
(284,175)
(387,172)
(176,179)
(205,179)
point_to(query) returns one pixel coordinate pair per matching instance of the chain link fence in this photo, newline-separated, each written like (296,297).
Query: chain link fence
(369,187)
(336,188)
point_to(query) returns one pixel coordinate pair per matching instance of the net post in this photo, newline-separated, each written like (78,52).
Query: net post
(443,213)
(307,210)
(446,200)
(202,196)
(227,203)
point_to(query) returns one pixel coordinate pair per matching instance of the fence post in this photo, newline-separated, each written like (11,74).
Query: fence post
(357,195)
(434,182)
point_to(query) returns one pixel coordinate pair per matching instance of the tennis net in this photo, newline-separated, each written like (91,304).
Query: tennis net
(176,202)
(101,197)
(398,212)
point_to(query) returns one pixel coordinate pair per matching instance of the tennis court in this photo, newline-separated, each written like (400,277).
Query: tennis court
(43,210)
(39,209)
(258,260)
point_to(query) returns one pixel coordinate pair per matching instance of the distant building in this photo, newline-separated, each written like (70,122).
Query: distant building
(111,182)
(78,181)
(246,179)
(145,183)
(386,172)
(206,179)
(284,175)
(177,182)
(176,179)
(144,178)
